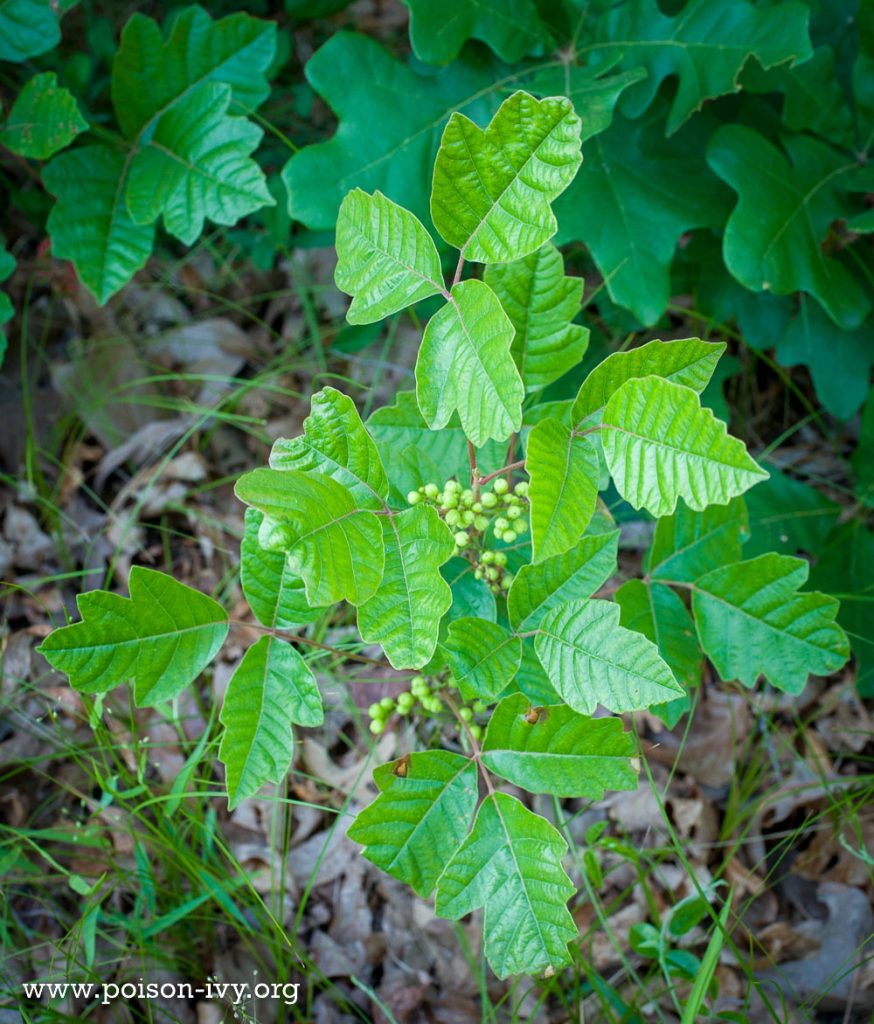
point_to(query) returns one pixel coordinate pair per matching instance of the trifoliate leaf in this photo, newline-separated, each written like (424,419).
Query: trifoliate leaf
(336,547)
(785,516)
(366,88)
(510,864)
(150,73)
(564,475)
(590,660)
(661,444)
(576,574)
(196,166)
(465,364)
(275,593)
(336,443)
(43,119)
(688,544)
(483,657)
(162,637)
(532,680)
(493,187)
(89,224)
(420,818)
(660,615)
(773,239)
(401,425)
(688,361)
(271,689)
(752,621)
(512,28)
(386,260)
(630,227)
(404,614)
(705,45)
(541,303)
(555,750)
(27,28)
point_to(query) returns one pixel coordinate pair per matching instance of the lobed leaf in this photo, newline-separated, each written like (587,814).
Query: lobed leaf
(661,444)
(336,547)
(510,864)
(44,118)
(336,444)
(27,29)
(555,750)
(752,621)
(162,637)
(271,689)
(465,363)
(403,616)
(420,818)
(483,656)
(575,574)
(590,659)
(541,304)
(493,187)
(386,260)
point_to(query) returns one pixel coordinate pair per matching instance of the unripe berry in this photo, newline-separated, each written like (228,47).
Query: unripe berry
(509,499)
(376,727)
(465,714)
(500,558)
(479,706)
(481,523)
(500,486)
(462,539)
(509,536)
(453,517)
(521,488)
(387,703)
(501,524)
(451,485)
(477,574)
(520,526)
(492,573)
(431,491)
(433,704)
(477,507)
(514,512)
(467,517)
(449,499)
(507,581)
(405,700)
(375,711)
(467,497)
(488,557)
(476,731)
(489,500)
(414,497)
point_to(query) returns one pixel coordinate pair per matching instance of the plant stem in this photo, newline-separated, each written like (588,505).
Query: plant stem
(306,641)
(476,750)
(458,270)
(474,471)
(504,469)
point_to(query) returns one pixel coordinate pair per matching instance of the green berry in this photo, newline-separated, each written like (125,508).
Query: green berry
(514,512)
(462,539)
(521,488)
(433,704)
(507,581)
(451,485)
(479,706)
(414,497)
(481,523)
(453,517)
(477,574)
(501,524)
(404,711)
(375,711)
(431,491)
(488,557)
(520,526)
(500,486)
(509,536)
(467,497)
(489,500)
(465,714)
(476,731)
(500,558)
(509,499)
(376,727)
(449,499)
(406,700)
(477,507)
(387,703)
(492,573)
(467,517)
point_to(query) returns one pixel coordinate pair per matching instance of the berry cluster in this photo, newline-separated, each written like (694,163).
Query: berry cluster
(471,515)
(422,698)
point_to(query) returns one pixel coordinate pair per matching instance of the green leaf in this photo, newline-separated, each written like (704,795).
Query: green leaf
(420,818)
(271,689)
(386,260)
(150,73)
(705,45)
(510,864)
(43,119)
(786,516)
(465,363)
(7,265)
(483,656)
(661,444)
(564,475)
(512,28)
(541,303)
(631,227)
(336,444)
(493,187)
(688,544)
(590,660)
(774,237)
(752,621)
(366,88)
(554,750)
(404,614)
(196,166)
(573,575)
(162,637)
(333,545)
(658,613)
(688,361)
(274,592)
(27,29)
(90,224)
(470,597)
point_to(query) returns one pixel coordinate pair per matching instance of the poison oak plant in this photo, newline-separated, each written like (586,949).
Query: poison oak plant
(463,524)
